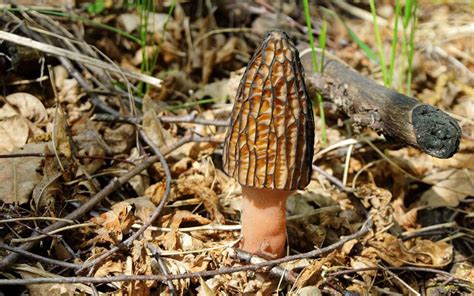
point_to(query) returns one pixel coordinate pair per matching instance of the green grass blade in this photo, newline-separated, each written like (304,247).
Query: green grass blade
(307,15)
(378,40)
(191,104)
(322,46)
(75,17)
(322,43)
(165,25)
(408,12)
(393,50)
(316,67)
(411,52)
(363,46)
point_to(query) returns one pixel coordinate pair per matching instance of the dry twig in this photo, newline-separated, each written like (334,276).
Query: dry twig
(102,194)
(61,52)
(226,270)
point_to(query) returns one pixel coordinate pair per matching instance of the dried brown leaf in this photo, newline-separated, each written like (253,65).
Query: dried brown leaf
(451,187)
(140,181)
(186,217)
(69,91)
(18,176)
(28,106)
(364,262)
(119,139)
(157,191)
(307,291)
(221,90)
(177,267)
(204,289)
(60,74)
(225,53)
(311,274)
(433,254)
(113,224)
(460,160)
(13,132)
(404,217)
(418,252)
(142,265)
(193,183)
(109,268)
(155,131)
(89,143)
(31,272)
(143,207)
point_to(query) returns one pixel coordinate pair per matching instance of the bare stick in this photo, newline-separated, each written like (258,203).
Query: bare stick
(87,206)
(277,271)
(332,179)
(164,270)
(61,52)
(403,268)
(191,118)
(44,155)
(38,257)
(156,212)
(226,270)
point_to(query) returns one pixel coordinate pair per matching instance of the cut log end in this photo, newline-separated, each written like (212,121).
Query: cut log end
(436,132)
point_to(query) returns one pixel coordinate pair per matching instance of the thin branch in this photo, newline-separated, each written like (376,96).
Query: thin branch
(44,155)
(277,271)
(226,270)
(101,195)
(34,219)
(38,257)
(332,179)
(404,268)
(161,264)
(72,71)
(49,234)
(190,118)
(156,213)
(61,52)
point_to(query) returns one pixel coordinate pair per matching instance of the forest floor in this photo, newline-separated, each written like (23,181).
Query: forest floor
(128,121)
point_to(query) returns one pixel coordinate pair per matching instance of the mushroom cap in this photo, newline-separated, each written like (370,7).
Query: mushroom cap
(269,143)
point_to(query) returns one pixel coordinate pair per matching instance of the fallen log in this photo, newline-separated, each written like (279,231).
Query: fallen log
(398,117)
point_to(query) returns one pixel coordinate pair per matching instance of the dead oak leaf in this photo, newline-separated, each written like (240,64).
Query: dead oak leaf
(195,184)
(14,133)
(433,254)
(62,289)
(450,187)
(156,192)
(28,106)
(311,274)
(119,139)
(113,224)
(109,268)
(141,264)
(418,252)
(18,176)
(155,131)
(187,217)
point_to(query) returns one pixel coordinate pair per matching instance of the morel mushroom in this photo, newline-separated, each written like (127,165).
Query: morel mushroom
(269,144)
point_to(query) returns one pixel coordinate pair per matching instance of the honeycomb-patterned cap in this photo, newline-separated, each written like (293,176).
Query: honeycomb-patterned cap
(269,143)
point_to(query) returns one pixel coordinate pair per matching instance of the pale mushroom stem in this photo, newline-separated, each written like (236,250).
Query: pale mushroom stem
(263,221)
